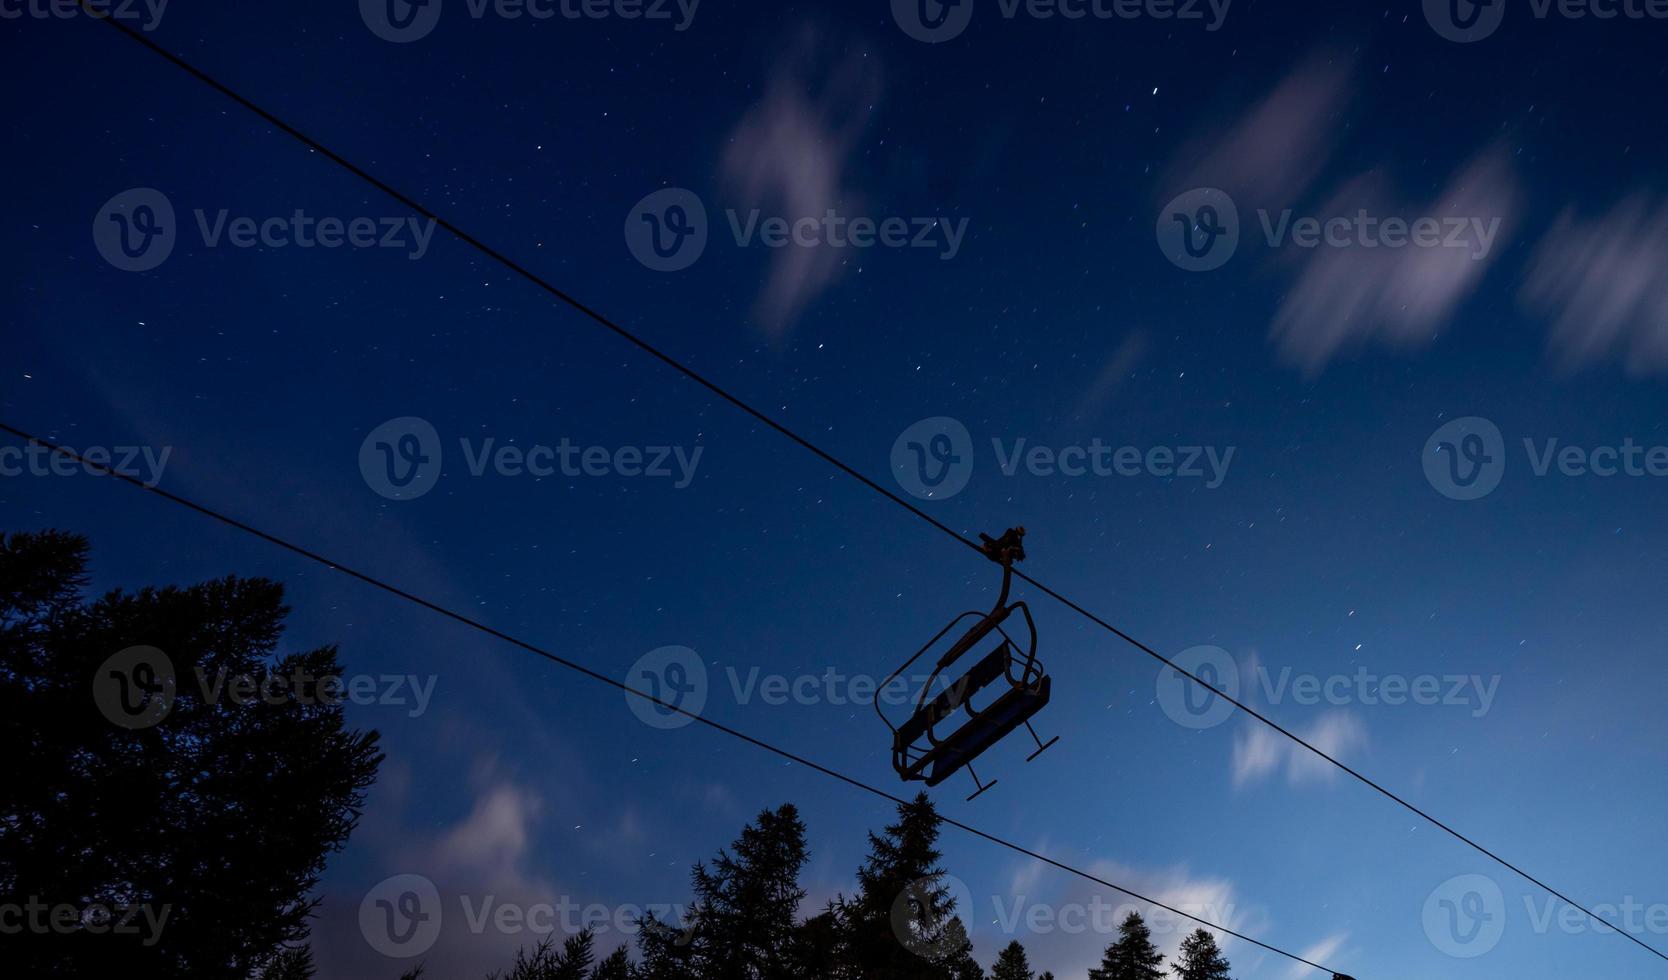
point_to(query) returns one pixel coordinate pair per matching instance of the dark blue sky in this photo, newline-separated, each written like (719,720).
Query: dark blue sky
(1056,147)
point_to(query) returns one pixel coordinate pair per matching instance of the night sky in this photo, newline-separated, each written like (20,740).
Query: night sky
(1044,299)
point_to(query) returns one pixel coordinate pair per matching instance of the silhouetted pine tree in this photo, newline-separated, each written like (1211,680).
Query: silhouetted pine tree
(1200,959)
(665,950)
(819,946)
(615,966)
(571,962)
(1011,964)
(899,888)
(293,963)
(745,914)
(221,814)
(1133,956)
(958,962)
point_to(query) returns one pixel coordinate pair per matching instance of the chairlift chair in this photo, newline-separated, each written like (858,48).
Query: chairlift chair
(919,750)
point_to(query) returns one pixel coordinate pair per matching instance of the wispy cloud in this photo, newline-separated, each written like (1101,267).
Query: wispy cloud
(1074,951)
(1322,952)
(1402,297)
(1275,149)
(1602,283)
(1259,752)
(789,154)
(1273,159)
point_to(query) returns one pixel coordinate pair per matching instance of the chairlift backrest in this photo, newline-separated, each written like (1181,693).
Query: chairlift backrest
(918,751)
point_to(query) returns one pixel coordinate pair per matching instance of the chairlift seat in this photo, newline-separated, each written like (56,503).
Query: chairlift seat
(983,728)
(918,753)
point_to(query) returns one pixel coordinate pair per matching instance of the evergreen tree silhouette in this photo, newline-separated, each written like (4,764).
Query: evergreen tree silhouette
(819,948)
(614,966)
(958,962)
(292,963)
(664,950)
(1011,964)
(572,962)
(901,923)
(1133,956)
(1200,959)
(219,815)
(744,917)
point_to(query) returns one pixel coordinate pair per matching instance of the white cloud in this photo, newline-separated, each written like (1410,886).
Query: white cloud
(1321,952)
(1260,752)
(1257,752)
(1602,283)
(788,157)
(1080,918)
(1401,297)
(1274,151)
(493,838)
